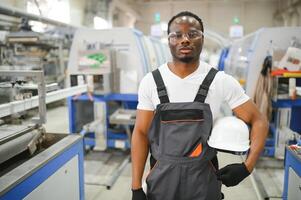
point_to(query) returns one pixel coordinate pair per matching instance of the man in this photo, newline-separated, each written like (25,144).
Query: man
(177,106)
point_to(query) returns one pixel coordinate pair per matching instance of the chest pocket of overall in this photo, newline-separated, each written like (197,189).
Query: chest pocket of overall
(182,130)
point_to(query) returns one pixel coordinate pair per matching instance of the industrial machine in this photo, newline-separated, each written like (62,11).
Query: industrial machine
(112,66)
(35,51)
(23,49)
(244,61)
(246,55)
(35,163)
(133,55)
(112,62)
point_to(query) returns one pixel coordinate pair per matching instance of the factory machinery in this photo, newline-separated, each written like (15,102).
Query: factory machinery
(245,59)
(35,163)
(21,48)
(112,66)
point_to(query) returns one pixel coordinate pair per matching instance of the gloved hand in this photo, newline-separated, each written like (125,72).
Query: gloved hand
(233,174)
(138,194)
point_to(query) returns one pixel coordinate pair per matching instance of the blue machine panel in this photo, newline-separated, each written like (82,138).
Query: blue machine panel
(23,185)
(292,160)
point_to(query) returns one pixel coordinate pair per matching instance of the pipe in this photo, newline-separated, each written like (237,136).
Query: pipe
(5,10)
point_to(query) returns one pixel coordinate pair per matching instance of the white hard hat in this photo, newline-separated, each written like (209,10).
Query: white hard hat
(230,134)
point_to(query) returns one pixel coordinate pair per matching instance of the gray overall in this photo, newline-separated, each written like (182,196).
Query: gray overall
(178,145)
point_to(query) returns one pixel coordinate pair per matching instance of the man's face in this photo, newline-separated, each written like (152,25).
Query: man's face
(185,39)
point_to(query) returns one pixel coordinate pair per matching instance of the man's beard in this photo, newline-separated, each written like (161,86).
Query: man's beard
(186,59)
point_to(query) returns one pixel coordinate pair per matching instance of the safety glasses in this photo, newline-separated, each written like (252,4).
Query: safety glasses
(191,35)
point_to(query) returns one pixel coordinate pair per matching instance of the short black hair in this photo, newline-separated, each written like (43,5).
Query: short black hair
(185,13)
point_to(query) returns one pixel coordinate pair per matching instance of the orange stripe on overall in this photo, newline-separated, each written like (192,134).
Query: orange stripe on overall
(197,151)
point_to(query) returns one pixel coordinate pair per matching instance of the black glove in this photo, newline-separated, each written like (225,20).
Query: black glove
(233,174)
(138,194)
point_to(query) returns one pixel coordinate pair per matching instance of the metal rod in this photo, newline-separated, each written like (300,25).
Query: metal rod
(114,176)
(39,77)
(5,10)
(26,104)
(117,173)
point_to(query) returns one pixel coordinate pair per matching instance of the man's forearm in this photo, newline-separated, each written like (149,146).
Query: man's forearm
(258,136)
(139,152)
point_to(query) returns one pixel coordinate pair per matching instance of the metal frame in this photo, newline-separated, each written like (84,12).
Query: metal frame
(294,108)
(19,106)
(39,77)
(113,178)
(113,139)
(5,10)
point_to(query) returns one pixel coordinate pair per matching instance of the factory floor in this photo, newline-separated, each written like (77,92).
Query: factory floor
(270,184)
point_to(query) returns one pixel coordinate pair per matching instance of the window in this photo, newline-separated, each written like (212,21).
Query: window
(58,10)
(100,23)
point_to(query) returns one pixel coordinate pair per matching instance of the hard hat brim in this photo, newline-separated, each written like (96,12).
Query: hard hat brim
(235,148)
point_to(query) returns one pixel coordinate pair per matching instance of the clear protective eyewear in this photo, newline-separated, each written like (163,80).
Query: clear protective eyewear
(191,35)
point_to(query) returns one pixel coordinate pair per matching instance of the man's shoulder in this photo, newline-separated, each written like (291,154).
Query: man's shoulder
(206,67)
(221,77)
(163,68)
(147,78)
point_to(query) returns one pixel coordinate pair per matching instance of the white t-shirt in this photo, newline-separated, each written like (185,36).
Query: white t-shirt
(224,88)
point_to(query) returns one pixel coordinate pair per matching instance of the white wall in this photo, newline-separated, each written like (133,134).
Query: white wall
(217,15)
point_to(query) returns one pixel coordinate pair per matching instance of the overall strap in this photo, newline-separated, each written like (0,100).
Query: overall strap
(162,92)
(204,87)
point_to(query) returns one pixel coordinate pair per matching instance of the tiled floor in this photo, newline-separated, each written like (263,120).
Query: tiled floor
(57,121)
